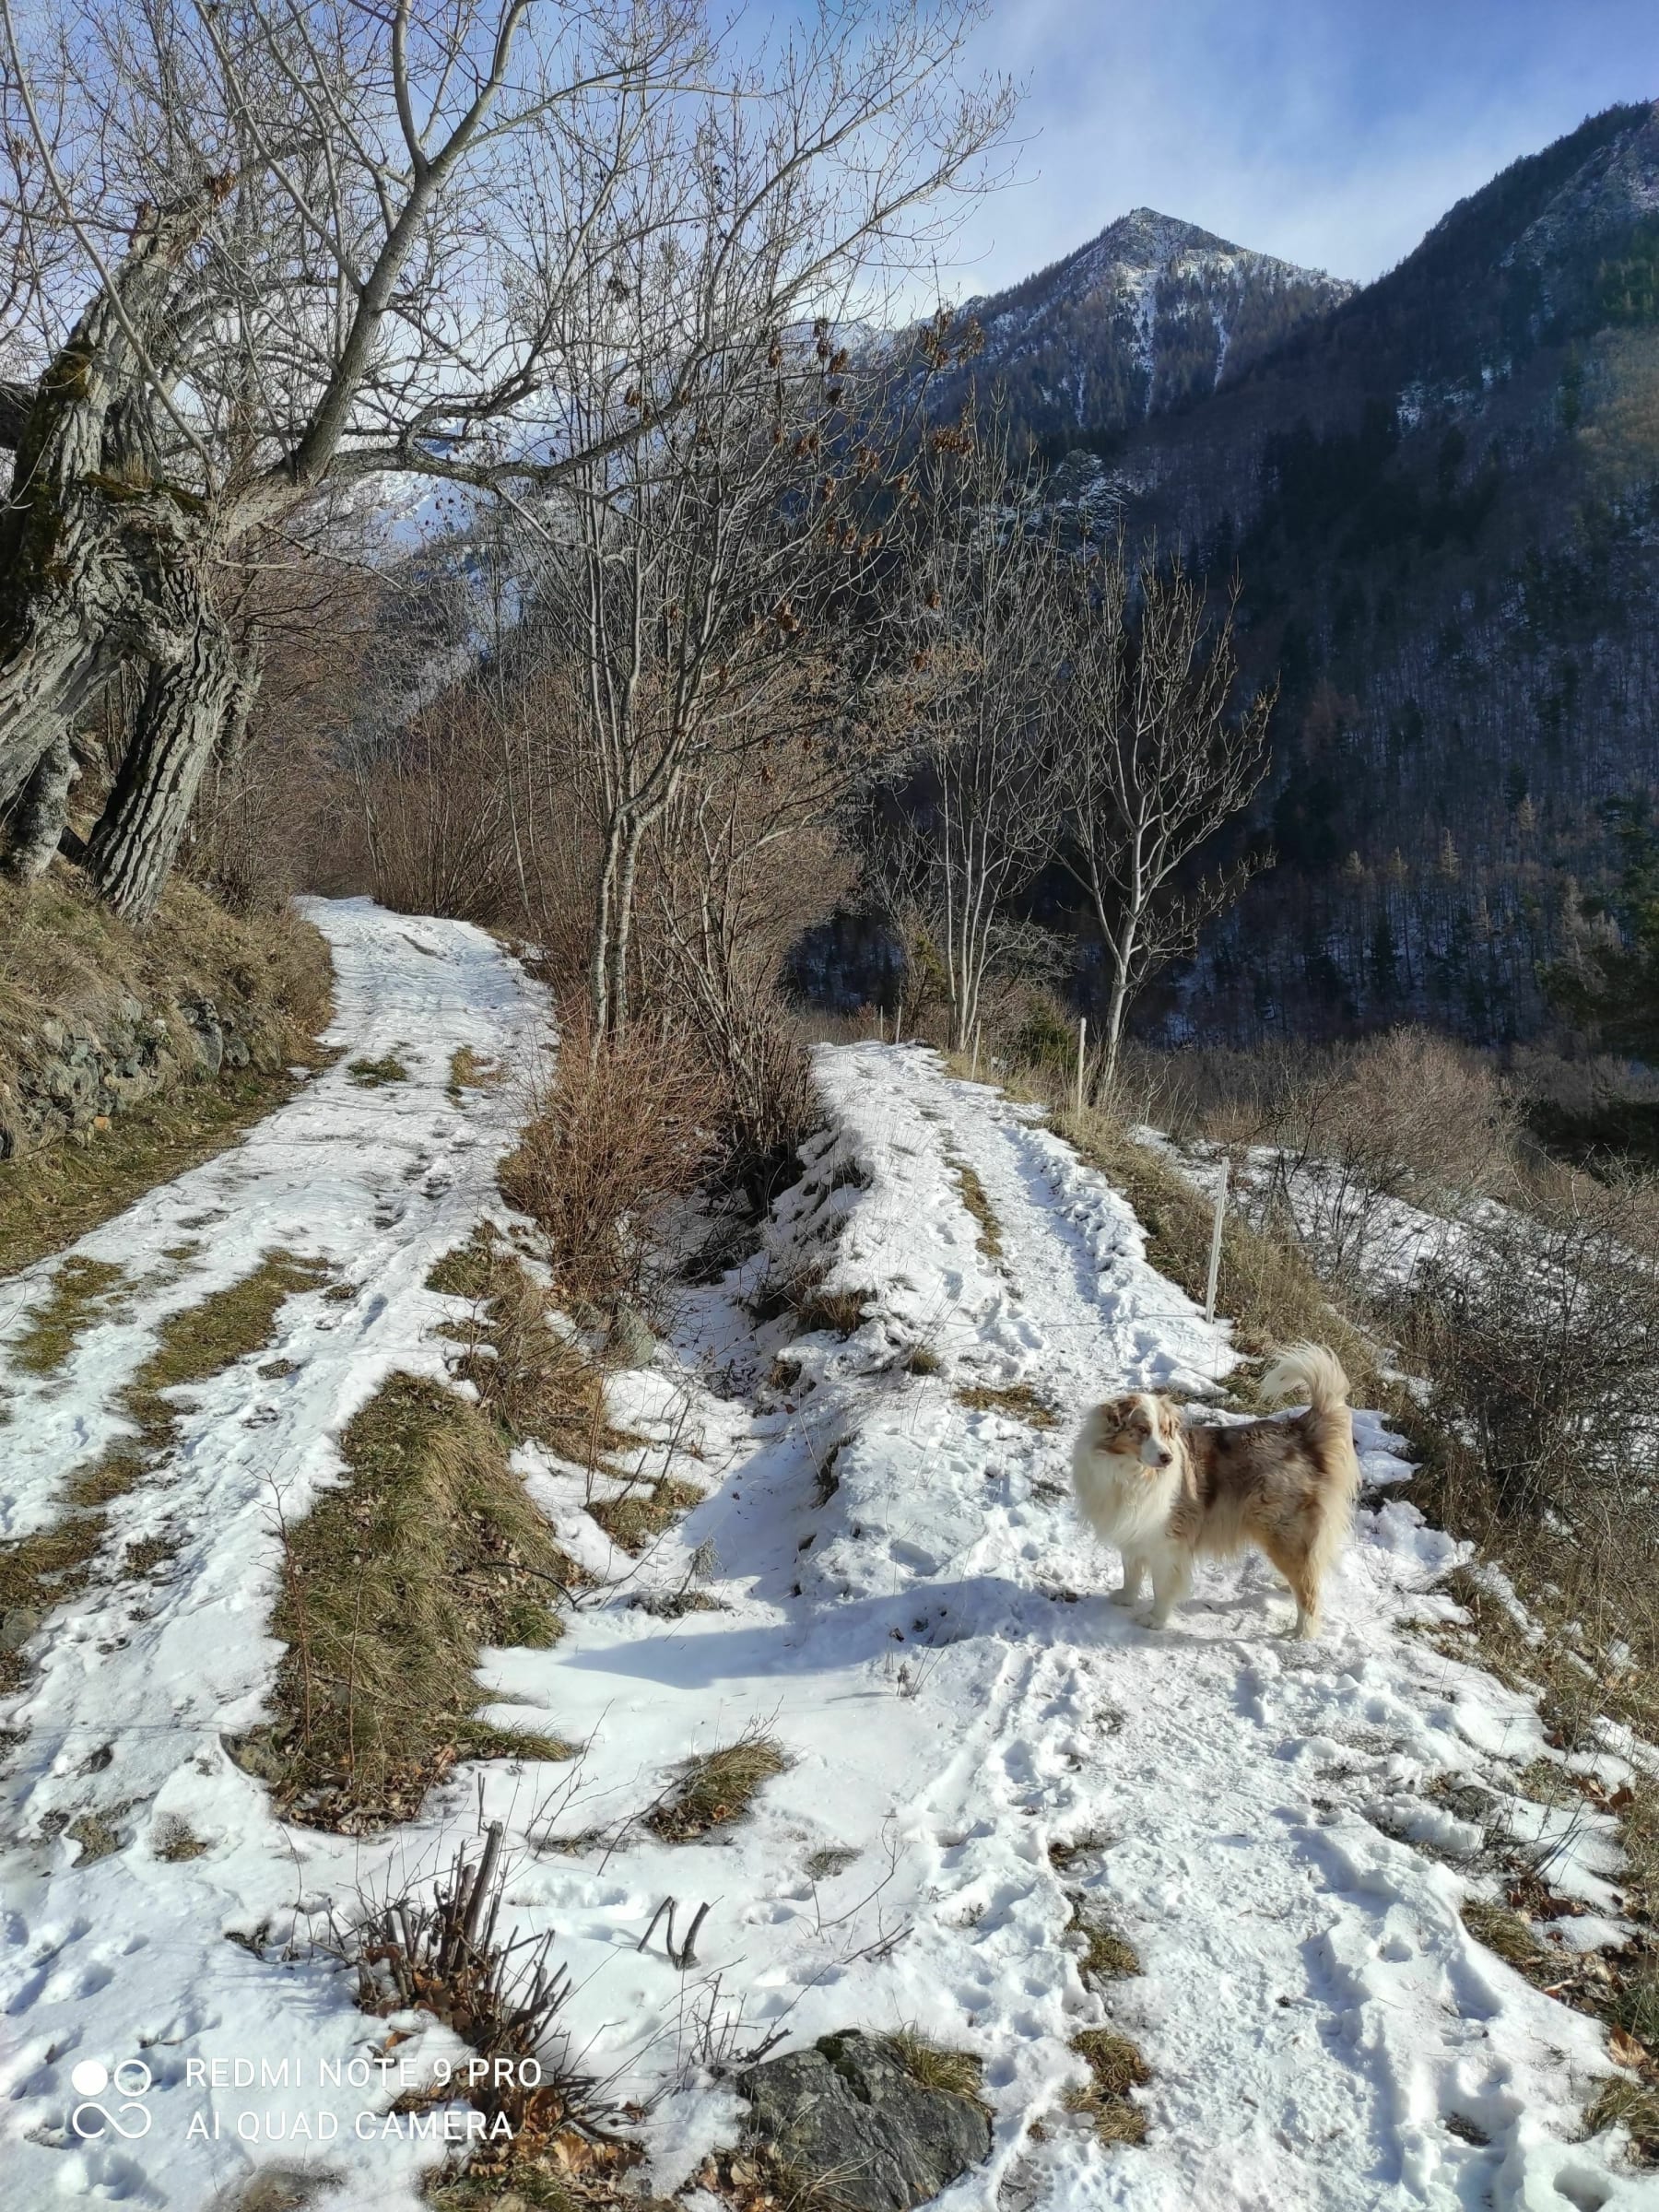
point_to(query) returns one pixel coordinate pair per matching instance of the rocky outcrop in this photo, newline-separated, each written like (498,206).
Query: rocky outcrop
(69,1077)
(854,2124)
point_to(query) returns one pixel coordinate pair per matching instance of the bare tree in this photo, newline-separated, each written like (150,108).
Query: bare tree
(1156,759)
(279,248)
(979,817)
(709,574)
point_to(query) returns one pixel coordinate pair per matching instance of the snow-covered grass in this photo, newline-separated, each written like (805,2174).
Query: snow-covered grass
(987,1794)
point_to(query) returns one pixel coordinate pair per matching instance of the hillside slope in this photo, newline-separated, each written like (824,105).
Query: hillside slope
(1442,495)
(989,1769)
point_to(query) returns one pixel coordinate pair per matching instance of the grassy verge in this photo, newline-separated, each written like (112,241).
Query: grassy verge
(50,1198)
(977,1201)
(66,955)
(391,1584)
(428,1552)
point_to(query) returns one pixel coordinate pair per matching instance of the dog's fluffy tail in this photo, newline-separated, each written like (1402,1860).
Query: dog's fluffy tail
(1310,1371)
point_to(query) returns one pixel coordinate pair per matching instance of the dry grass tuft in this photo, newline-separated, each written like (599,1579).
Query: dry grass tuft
(640,1516)
(1115,2067)
(1633,2105)
(175,1840)
(1504,1930)
(468,1072)
(975,1199)
(1107,1955)
(1017,1400)
(921,1359)
(428,1551)
(374,1075)
(1065,1852)
(836,1312)
(930,2067)
(717,1788)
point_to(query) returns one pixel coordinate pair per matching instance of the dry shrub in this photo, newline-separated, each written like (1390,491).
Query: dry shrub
(1535,1331)
(442,1951)
(438,817)
(623,1128)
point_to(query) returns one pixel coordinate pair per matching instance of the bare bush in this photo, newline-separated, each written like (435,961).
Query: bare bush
(626,1124)
(1537,1329)
(1405,1116)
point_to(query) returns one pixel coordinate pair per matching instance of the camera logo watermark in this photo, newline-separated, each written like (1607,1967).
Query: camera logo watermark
(130,2081)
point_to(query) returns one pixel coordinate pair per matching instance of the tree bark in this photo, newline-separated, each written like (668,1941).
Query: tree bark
(43,813)
(185,703)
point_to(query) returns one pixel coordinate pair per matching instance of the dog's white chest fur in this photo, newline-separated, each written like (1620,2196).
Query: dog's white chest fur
(1123,1502)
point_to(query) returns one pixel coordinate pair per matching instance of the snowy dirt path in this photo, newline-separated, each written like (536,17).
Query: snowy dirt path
(135,1682)
(914,1615)
(979,1744)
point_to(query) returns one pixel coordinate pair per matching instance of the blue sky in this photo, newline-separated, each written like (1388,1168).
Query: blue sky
(1331,132)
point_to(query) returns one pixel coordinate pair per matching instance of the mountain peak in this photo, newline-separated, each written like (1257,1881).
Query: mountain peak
(1149,314)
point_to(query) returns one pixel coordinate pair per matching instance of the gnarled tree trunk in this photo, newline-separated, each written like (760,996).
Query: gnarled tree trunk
(185,704)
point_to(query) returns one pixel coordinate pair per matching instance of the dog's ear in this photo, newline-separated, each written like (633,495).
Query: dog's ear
(1168,1420)
(1110,1414)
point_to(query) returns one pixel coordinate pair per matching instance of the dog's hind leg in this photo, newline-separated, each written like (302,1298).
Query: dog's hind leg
(1302,1575)
(1135,1574)
(1171,1579)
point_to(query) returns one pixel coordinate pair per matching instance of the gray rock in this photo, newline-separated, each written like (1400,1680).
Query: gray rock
(17,1624)
(849,2119)
(631,1343)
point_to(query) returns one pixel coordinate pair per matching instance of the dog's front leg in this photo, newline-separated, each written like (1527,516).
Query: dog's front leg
(1135,1574)
(1171,1579)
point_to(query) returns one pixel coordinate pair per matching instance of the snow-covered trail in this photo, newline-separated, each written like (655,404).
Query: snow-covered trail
(903,1599)
(135,1682)
(942,1663)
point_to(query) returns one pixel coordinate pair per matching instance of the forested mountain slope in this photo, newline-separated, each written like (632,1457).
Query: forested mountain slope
(1443,495)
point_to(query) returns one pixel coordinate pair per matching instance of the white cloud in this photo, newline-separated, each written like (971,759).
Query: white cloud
(1331,132)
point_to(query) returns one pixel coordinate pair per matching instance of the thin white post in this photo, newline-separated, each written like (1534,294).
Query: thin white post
(1082,1050)
(978,1032)
(1215,1265)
